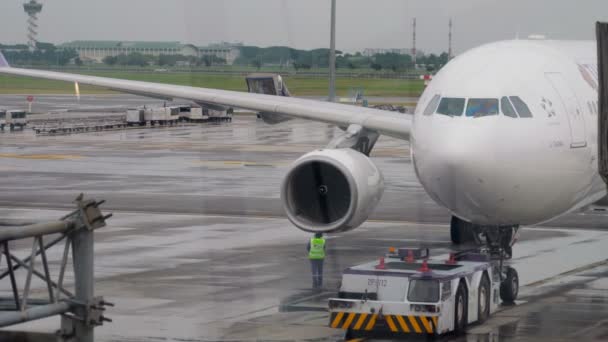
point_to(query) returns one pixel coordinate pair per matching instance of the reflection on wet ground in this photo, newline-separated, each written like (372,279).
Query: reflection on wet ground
(198,249)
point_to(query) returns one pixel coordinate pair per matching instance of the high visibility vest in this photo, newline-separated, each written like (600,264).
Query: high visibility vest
(317,248)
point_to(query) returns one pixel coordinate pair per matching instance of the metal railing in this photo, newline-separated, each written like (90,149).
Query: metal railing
(81,311)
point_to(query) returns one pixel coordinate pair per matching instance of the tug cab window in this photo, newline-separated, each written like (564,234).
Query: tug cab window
(507,108)
(521,107)
(482,107)
(423,290)
(451,106)
(430,108)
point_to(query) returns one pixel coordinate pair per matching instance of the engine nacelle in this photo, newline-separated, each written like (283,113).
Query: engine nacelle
(331,190)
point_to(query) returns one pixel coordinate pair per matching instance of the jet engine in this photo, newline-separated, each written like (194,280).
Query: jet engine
(331,190)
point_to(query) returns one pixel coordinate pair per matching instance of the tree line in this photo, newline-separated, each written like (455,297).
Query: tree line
(45,54)
(319,58)
(138,59)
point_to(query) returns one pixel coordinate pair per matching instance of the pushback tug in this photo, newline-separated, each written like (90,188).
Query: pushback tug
(406,292)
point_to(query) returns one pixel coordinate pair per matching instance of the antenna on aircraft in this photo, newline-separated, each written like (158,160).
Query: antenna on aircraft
(32,8)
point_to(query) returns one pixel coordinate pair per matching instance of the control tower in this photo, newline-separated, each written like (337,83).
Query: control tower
(32,8)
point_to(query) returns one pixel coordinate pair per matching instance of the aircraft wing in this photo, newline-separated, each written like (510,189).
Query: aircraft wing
(384,122)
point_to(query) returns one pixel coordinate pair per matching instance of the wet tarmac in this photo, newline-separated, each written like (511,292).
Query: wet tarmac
(198,248)
(60,103)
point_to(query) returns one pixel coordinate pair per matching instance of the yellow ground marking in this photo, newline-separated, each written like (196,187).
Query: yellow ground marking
(40,156)
(415,324)
(391,324)
(360,321)
(402,324)
(435,321)
(337,320)
(426,324)
(371,323)
(349,320)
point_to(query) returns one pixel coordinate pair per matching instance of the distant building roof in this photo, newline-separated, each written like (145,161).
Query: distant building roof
(109,44)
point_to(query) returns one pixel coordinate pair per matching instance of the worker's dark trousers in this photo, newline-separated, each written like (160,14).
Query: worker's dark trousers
(317,273)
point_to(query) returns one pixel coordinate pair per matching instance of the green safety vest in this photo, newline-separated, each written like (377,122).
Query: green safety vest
(317,248)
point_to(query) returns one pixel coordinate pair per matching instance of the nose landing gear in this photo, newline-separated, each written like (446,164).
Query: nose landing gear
(498,239)
(495,241)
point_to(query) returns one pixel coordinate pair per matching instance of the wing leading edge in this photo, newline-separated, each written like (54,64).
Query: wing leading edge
(384,122)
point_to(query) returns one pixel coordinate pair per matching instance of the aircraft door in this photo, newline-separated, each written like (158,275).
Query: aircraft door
(570,109)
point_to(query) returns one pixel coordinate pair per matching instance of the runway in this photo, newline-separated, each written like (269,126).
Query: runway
(199,250)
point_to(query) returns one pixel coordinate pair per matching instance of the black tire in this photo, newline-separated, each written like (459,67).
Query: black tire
(460,309)
(348,335)
(509,287)
(461,231)
(484,294)
(505,242)
(456,231)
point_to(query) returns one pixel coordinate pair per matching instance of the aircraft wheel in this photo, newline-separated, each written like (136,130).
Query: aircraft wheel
(507,240)
(509,287)
(455,231)
(461,231)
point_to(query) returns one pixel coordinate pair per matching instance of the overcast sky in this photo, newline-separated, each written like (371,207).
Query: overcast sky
(305,23)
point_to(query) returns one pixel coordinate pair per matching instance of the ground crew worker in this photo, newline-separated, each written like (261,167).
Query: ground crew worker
(316,254)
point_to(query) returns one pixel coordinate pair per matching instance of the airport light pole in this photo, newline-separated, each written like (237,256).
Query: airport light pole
(332,54)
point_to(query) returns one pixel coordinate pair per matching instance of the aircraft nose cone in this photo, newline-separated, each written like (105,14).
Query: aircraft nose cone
(459,169)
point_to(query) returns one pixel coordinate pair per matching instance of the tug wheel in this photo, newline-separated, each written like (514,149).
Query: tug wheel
(460,309)
(484,294)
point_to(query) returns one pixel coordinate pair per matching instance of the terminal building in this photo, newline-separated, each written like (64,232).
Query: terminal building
(97,50)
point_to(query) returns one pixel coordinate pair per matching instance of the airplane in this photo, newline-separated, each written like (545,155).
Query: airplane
(504,135)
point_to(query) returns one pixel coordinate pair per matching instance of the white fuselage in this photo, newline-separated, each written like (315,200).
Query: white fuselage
(505,170)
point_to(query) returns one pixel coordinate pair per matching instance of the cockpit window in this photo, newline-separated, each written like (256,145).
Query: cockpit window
(507,108)
(482,107)
(430,108)
(451,106)
(521,107)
